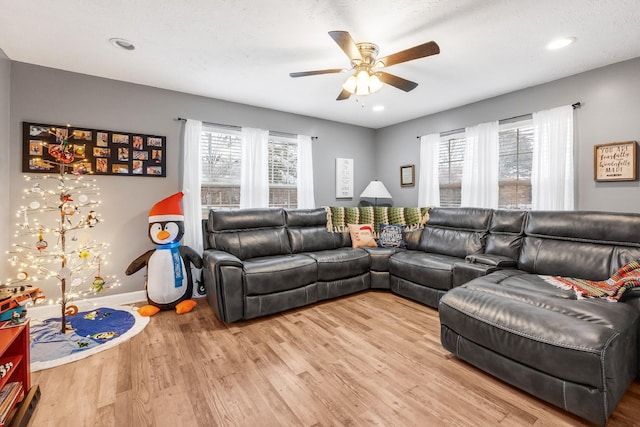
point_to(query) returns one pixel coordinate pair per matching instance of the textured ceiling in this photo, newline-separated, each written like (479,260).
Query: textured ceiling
(243,50)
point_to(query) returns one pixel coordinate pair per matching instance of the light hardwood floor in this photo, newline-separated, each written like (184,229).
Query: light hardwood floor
(370,359)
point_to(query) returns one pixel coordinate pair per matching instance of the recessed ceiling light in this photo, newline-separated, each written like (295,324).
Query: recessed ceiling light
(560,43)
(378,108)
(122,43)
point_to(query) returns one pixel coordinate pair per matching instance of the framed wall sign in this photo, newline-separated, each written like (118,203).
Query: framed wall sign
(344,178)
(615,161)
(100,152)
(407,176)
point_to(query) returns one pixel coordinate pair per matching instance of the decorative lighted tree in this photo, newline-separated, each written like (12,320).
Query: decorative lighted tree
(54,223)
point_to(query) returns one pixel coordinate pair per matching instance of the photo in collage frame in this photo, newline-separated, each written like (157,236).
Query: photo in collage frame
(99,152)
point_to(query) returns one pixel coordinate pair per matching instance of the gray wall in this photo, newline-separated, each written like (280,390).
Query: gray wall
(5,89)
(610,112)
(53,96)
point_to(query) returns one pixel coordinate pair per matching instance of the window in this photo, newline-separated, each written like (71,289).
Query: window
(516,151)
(221,153)
(283,172)
(450,169)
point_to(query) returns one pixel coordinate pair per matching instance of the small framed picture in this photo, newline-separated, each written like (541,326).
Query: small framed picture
(407,176)
(615,161)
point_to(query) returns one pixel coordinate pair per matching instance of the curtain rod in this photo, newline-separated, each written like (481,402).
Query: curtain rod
(454,131)
(271,132)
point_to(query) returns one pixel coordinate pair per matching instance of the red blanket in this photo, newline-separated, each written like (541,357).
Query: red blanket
(611,289)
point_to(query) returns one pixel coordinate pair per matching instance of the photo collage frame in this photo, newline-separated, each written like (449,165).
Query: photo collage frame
(99,152)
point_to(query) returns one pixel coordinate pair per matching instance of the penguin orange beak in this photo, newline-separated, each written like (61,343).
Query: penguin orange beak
(163,235)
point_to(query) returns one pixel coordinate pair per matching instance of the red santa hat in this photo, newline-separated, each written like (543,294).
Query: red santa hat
(168,209)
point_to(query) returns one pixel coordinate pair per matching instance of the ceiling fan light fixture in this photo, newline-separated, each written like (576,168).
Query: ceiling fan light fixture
(362,87)
(374,83)
(362,83)
(363,58)
(350,84)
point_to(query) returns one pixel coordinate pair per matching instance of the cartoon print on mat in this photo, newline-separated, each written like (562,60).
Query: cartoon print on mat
(91,329)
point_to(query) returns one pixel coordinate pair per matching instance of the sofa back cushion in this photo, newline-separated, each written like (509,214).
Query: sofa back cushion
(506,233)
(307,231)
(587,245)
(249,233)
(455,231)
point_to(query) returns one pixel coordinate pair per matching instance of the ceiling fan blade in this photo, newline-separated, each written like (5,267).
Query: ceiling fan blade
(346,43)
(395,81)
(343,95)
(313,73)
(421,51)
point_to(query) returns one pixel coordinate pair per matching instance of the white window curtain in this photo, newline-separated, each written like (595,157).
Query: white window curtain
(429,181)
(191,181)
(552,176)
(306,197)
(480,171)
(254,174)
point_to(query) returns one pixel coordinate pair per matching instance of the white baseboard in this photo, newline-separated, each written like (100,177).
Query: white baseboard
(53,310)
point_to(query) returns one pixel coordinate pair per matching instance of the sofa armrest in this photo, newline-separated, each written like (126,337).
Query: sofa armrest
(222,277)
(464,272)
(492,260)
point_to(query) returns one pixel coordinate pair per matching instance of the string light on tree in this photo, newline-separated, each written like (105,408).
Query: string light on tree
(53,240)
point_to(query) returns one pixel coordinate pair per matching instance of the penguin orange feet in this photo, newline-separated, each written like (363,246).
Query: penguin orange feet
(148,310)
(185,306)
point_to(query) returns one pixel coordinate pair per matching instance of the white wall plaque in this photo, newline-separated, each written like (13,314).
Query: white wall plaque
(344,178)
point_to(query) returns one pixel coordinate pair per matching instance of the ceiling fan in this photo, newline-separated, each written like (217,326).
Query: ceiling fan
(367,77)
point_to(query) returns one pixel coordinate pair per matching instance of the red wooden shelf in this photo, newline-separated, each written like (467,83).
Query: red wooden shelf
(14,347)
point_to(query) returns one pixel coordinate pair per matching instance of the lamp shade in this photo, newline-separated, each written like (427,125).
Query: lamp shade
(376,189)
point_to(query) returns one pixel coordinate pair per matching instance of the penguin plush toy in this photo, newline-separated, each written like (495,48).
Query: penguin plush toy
(169,283)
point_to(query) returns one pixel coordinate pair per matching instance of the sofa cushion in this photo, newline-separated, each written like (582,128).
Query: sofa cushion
(340,263)
(306,217)
(451,242)
(391,236)
(586,226)
(426,269)
(240,219)
(521,317)
(588,245)
(307,229)
(506,233)
(412,239)
(313,238)
(380,257)
(253,243)
(456,232)
(460,218)
(249,233)
(585,260)
(267,275)
(362,235)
